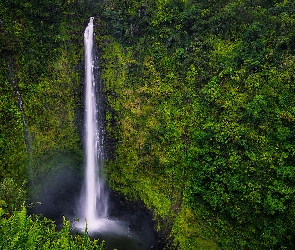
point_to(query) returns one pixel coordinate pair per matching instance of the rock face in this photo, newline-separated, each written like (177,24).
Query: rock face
(139,220)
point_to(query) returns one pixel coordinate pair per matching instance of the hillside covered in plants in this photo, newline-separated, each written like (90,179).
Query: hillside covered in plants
(41,72)
(200,110)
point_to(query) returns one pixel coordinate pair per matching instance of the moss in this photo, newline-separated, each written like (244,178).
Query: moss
(188,232)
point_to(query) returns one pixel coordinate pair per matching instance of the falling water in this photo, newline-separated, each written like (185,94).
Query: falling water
(26,132)
(94,198)
(93,204)
(14,84)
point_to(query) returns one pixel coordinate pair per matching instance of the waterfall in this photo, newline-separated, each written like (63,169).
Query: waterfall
(26,132)
(94,197)
(93,205)
(14,83)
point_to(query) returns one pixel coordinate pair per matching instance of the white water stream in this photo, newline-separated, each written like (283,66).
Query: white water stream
(94,198)
(93,206)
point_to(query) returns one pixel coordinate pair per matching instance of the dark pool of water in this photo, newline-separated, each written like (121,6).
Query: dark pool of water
(136,227)
(118,235)
(124,242)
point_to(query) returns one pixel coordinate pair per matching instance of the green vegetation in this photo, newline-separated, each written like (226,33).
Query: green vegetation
(41,47)
(40,56)
(202,95)
(21,231)
(200,98)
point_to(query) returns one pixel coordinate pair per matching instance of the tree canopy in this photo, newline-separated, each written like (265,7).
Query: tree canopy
(202,94)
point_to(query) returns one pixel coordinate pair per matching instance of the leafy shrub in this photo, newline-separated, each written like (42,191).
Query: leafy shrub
(21,231)
(12,196)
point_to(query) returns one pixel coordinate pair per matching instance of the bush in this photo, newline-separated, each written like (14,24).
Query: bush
(21,231)
(12,196)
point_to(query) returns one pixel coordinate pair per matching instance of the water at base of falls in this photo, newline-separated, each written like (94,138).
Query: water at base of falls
(115,233)
(129,226)
(102,226)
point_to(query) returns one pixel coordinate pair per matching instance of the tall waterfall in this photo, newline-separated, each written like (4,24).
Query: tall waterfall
(93,206)
(94,197)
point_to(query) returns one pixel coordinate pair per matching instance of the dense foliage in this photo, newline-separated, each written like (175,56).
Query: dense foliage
(21,231)
(201,110)
(12,197)
(41,53)
(202,95)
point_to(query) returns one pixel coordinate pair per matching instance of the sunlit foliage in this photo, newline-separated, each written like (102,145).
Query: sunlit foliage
(203,101)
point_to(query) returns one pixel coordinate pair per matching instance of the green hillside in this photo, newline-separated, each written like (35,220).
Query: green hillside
(202,95)
(200,113)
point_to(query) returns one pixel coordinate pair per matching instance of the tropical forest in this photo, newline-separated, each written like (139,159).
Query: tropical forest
(198,101)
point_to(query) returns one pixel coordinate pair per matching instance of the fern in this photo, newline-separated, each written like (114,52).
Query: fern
(22,231)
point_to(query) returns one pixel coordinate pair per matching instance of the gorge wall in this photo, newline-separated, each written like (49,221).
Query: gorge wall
(200,118)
